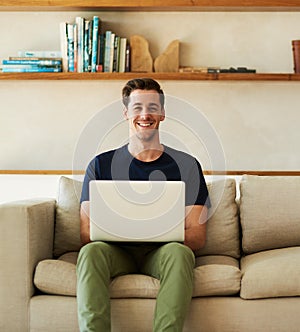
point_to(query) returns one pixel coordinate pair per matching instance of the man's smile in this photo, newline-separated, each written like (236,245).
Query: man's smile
(144,124)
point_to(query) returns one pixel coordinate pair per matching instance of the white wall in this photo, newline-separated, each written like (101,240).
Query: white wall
(20,187)
(256,122)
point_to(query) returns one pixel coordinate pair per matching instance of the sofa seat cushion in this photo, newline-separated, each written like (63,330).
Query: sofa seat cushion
(214,275)
(269,212)
(272,273)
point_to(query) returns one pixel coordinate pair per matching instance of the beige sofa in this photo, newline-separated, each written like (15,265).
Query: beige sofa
(247,278)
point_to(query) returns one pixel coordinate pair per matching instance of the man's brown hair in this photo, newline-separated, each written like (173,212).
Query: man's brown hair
(142,84)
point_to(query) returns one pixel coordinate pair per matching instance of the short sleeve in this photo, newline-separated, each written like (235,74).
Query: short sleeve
(196,188)
(90,174)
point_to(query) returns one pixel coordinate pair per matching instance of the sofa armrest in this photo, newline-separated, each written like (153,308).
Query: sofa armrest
(27,230)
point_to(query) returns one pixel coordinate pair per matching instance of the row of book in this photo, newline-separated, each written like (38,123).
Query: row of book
(35,62)
(86,48)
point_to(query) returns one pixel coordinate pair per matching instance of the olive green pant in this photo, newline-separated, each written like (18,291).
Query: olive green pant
(98,262)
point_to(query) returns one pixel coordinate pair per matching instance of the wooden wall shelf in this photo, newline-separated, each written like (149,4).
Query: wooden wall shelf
(151,5)
(159,76)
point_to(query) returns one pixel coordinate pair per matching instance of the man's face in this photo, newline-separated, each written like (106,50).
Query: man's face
(144,113)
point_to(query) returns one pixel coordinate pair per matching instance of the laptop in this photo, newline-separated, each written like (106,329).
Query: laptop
(137,211)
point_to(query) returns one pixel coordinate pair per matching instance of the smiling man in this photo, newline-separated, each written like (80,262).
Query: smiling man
(143,158)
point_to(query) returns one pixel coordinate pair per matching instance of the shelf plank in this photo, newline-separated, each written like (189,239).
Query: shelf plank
(284,77)
(148,5)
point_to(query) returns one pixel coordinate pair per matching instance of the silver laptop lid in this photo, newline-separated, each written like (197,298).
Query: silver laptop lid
(137,210)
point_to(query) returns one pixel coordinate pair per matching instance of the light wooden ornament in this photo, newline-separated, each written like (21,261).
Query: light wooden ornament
(141,59)
(168,61)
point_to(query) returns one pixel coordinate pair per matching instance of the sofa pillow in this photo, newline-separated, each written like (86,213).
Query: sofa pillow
(53,276)
(216,276)
(213,276)
(269,212)
(272,273)
(67,224)
(223,224)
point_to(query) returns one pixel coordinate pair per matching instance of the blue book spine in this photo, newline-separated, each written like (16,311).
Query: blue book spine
(31,70)
(32,62)
(107,51)
(95,42)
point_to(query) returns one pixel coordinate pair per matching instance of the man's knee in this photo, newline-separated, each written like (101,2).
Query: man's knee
(91,251)
(179,252)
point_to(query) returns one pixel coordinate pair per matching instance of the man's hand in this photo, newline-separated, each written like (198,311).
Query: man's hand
(195,226)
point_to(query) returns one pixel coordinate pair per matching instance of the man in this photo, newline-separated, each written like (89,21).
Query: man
(143,158)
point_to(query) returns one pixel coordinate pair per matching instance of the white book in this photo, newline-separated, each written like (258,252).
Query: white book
(39,54)
(64,45)
(107,50)
(122,55)
(111,54)
(75,46)
(80,43)
(70,30)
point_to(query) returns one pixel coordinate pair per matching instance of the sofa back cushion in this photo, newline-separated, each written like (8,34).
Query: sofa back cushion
(67,223)
(222,236)
(222,227)
(269,212)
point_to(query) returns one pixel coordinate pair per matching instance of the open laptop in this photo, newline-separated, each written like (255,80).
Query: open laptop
(137,211)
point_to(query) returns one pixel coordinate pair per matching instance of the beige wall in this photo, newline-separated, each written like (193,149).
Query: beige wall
(256,122)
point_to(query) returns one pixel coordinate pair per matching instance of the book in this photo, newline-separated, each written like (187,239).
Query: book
(122,54)
(31,58)
(80,43)
(107,51)
(100,52)
(88,45)
(127,58)
(32,62)
(75,47)
(40,54)
(111,52)
(30,69)
(63,46)
(70,38)
(116,54)
(190,69)
(95,39)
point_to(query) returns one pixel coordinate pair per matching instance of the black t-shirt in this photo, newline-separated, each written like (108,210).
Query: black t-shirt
(172,165)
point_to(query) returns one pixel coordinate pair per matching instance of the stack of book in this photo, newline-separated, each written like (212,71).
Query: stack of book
(32,62)
(85,48)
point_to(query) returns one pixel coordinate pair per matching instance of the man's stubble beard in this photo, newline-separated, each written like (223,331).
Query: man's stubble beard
(150,134)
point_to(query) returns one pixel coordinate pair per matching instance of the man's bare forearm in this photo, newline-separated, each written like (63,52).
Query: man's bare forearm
(85,222)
